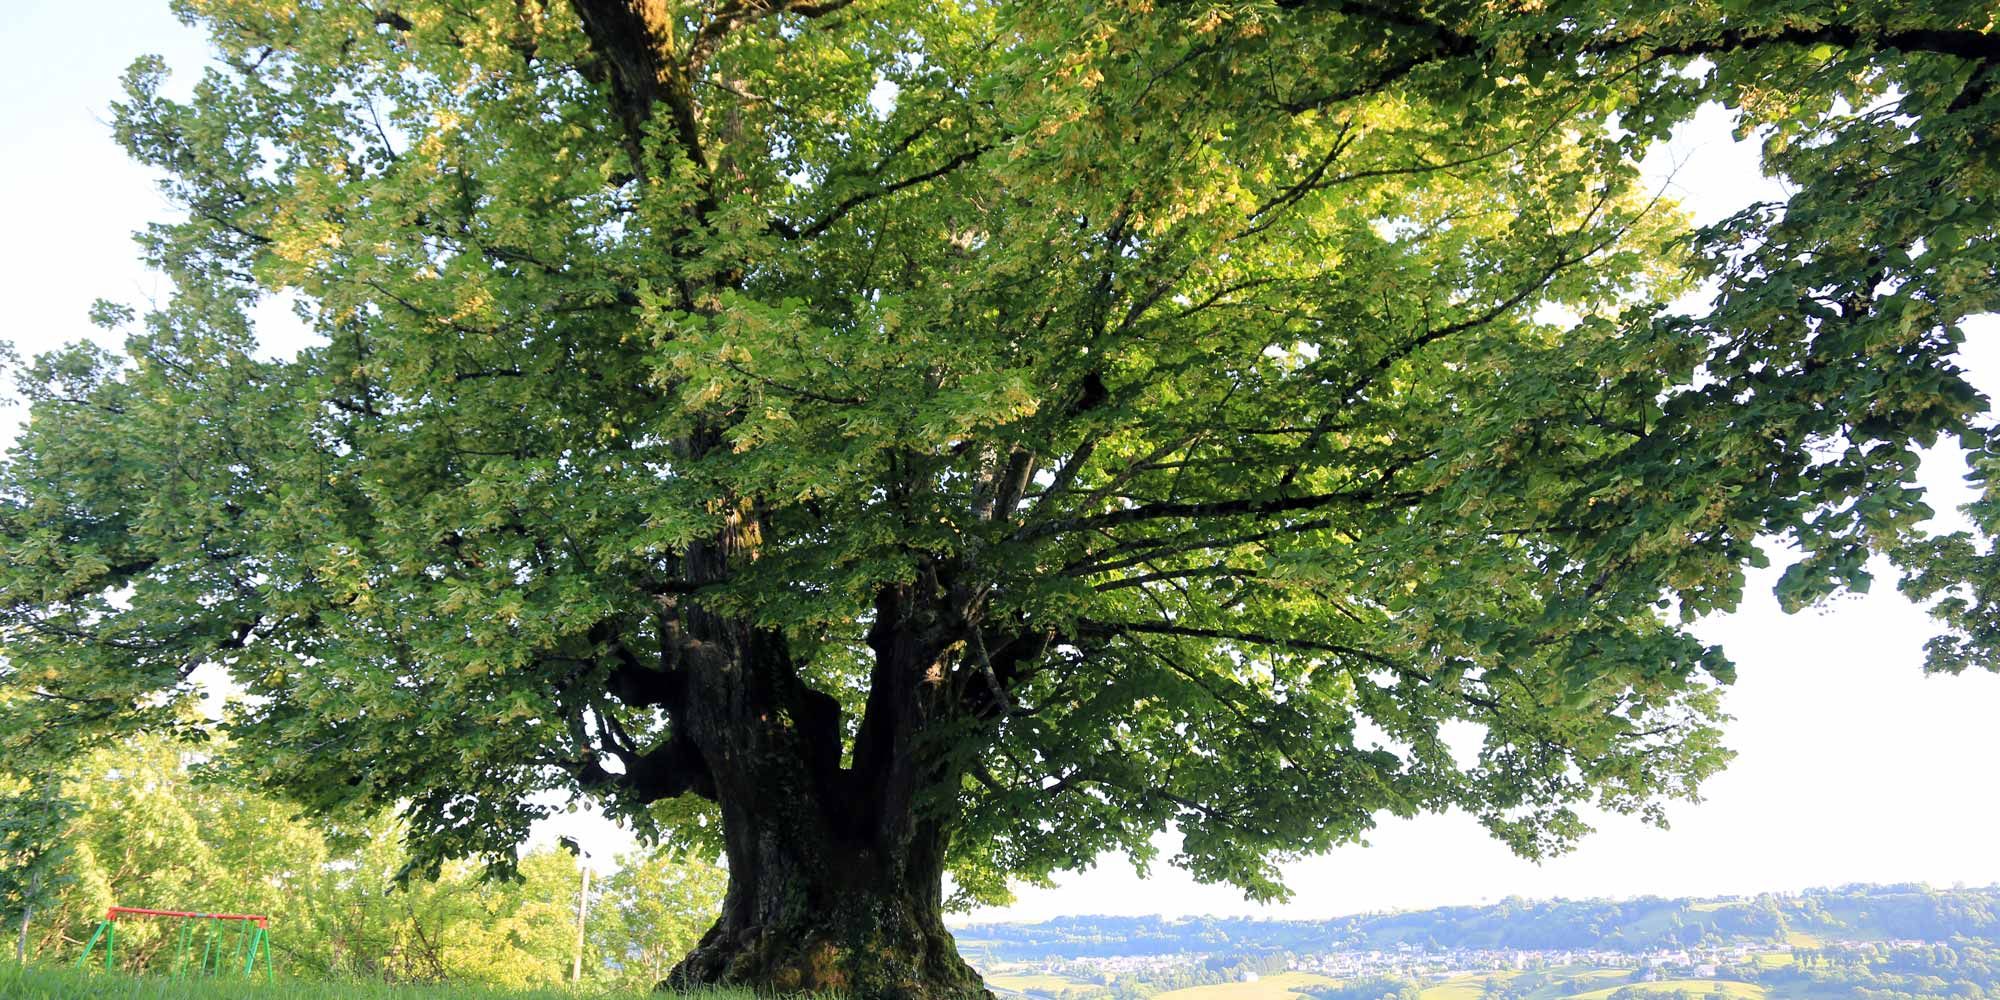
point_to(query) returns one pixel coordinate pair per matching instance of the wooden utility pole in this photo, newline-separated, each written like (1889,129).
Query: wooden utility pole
(27,913)
(582,912)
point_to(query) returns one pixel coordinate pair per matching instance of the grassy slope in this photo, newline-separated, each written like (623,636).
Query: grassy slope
(1466,988)
(44,983)
(1576,974)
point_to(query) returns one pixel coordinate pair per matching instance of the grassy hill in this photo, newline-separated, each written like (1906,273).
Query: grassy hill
(42,983)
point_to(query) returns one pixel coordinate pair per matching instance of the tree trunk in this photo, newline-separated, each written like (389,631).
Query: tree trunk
(835,873)
(806,914)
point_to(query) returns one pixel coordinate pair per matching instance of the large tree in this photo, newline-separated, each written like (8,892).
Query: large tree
(893,438)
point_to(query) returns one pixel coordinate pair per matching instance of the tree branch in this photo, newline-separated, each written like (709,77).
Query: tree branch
(636,40)
(1214,508)
(732,17)
(853,202)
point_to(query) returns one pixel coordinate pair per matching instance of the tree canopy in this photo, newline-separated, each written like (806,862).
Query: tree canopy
(987,433)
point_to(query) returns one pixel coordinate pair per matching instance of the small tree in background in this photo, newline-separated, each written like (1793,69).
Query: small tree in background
(653,910)
(34,845)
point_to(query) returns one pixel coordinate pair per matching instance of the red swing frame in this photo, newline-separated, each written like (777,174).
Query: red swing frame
(113,913)
(249,946)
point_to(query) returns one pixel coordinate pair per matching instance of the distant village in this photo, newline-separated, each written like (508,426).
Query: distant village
(1414,964)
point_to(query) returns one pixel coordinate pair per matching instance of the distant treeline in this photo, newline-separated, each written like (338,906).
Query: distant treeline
(1848,913)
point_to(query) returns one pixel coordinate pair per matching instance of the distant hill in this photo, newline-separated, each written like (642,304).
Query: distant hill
(1848,913)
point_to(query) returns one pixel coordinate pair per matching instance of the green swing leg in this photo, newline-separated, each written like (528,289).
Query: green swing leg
(217,953)
(183,947)
(103,932)
(207,951)
(259,940)
(242,942)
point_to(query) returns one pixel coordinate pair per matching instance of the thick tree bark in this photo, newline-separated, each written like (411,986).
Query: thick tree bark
(835,873)
(809,912)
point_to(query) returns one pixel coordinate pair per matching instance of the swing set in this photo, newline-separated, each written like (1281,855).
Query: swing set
(219,955)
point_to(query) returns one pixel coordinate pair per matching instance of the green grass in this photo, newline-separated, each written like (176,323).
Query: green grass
(45,983)
(1460,988)
(1568,980)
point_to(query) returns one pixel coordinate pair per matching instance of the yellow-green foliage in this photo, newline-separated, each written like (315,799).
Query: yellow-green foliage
(149,833)
(1187,392)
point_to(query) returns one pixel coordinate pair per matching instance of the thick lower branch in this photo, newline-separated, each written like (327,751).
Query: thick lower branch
(671,769)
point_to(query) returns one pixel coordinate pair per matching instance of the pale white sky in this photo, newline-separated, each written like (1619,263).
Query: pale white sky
(1852,766)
